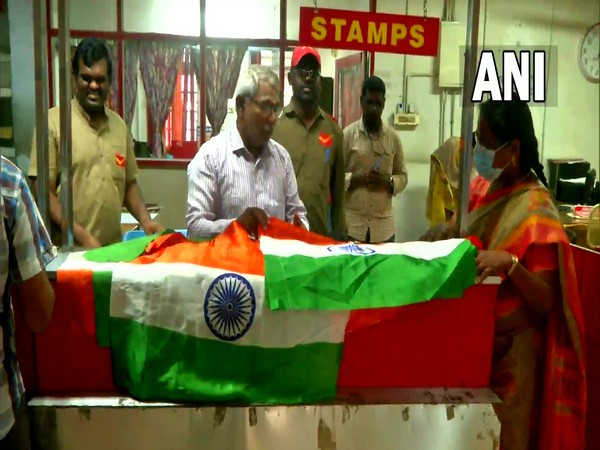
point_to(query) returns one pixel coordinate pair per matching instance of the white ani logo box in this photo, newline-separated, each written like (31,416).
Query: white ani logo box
(518,74)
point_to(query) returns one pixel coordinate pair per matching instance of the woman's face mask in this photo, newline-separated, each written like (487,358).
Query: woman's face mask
(484,160)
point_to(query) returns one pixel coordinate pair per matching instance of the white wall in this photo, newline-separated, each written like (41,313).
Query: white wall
(87,15)
(162,16)
(22,69)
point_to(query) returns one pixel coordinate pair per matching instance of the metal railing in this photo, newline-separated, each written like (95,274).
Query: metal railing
(466,157)
(66,178)
(41,108)
(41,117)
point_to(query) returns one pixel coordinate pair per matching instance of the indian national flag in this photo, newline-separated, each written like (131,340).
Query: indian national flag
(191,321)
(346,276)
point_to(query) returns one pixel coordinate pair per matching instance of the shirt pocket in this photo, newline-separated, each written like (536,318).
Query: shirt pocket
(274,196)
(84,154)
(383,157)
(116,159)
(328,158)
(355,157)
(275,201)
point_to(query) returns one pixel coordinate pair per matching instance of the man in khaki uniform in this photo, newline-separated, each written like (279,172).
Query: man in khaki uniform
(103,162)
(314,142)
(375,169)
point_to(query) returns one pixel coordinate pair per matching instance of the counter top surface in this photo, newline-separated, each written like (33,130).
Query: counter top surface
(346,396)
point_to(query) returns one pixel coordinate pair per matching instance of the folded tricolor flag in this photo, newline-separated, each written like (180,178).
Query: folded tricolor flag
(191,321)
(345,276)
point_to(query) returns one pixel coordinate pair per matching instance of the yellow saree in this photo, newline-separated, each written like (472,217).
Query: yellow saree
(444,174)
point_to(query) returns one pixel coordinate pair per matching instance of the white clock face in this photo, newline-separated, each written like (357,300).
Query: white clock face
(589,54)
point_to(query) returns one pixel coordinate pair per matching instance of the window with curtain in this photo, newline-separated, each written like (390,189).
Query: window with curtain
(180,132)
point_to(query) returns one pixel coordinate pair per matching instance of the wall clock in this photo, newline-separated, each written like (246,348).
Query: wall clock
(589,54)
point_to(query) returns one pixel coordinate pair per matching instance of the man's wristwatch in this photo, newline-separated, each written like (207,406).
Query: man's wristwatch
(392,184)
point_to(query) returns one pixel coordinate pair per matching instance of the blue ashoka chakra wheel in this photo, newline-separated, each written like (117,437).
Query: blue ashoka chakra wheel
(229,306)
(351,249)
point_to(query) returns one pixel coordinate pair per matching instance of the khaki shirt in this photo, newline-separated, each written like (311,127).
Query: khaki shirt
(318,158)
(103,164)
(367,209)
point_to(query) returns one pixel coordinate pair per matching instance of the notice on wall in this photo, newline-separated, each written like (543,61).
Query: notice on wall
(373,32)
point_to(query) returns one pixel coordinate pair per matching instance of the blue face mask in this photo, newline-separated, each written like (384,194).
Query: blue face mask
(484,160)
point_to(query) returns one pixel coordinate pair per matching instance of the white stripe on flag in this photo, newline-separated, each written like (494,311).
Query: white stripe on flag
(172,296)
(421,250)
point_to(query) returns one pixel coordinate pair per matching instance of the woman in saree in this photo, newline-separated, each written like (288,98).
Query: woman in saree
(538,368)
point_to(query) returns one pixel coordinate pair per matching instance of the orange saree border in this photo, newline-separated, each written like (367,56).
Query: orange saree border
(564,401)
(564,388)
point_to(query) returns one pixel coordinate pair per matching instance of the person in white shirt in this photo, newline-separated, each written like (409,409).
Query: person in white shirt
(243,174)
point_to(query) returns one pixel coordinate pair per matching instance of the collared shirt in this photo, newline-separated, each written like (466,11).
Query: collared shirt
(318,158)
(25,249)
(368,209)
(103,165)
(224,179)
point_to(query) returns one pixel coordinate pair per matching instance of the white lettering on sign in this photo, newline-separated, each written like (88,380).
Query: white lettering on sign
(518,76)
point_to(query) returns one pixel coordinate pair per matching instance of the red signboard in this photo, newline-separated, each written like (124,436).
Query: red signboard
(373,32)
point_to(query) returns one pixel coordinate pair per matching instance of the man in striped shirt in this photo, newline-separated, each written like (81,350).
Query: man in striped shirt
(25,249)
(242,174)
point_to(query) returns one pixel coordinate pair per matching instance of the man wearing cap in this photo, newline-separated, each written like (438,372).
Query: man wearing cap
(315,143)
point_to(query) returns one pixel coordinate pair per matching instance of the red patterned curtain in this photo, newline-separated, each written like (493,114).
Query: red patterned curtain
(222,72)
(130,80)
(159,64)
(114,98)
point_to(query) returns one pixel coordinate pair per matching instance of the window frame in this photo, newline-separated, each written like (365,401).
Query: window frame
(203,41)
(189,93)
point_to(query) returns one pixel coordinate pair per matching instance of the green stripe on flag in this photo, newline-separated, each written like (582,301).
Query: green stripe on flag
(121,251)
(126,251)
(349,282)
(156,364)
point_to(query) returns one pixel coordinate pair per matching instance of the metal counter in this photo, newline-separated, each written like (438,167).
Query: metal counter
(375,419)
(53,266)
(378,419)
(359,419)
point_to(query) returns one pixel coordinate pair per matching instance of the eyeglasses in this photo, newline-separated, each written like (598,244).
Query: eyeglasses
(308,73)
(268,108)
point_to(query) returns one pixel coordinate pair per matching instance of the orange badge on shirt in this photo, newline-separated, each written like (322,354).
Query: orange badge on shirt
(120,160)
(326,139)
